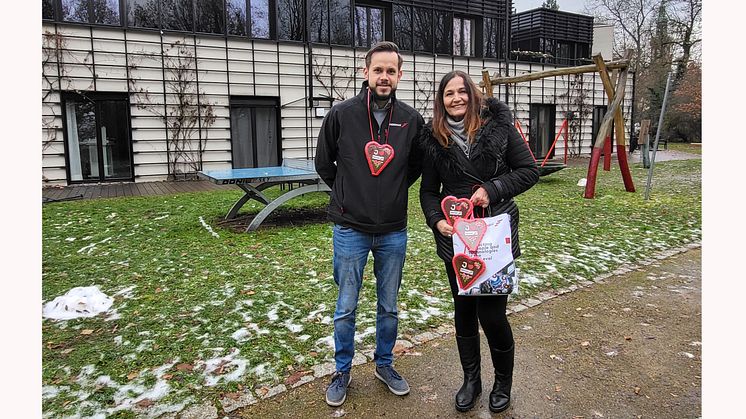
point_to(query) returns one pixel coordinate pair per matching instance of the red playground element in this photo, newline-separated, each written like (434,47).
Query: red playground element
(544,168)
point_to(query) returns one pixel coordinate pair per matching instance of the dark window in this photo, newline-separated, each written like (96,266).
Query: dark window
(564,53)
(236,17)
(368,25)
(319,21)
(260,18)
(403,27)
(47,9)
(178,15)
(106,12)
(75,11)
(142,13)
(443,32)
(91,11)
(422,29)
(491,36)
(97,137)
(339,22)
(463,36)
(210,16)
(291,19)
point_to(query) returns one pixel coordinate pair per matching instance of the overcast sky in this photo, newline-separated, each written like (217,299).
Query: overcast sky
(566,5)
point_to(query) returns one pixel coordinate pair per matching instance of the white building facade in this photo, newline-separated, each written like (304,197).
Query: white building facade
(146,90)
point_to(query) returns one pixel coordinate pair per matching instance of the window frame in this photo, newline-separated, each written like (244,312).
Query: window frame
(408,38)
(368,6)
(58,17)
(95,98)
(472,35)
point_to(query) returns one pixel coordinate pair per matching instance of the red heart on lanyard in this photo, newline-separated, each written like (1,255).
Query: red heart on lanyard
(471,231)
(467,269)
(454,208)
(378,156)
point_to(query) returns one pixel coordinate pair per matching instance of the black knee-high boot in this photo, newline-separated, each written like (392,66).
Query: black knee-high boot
(468,351)
(503,363)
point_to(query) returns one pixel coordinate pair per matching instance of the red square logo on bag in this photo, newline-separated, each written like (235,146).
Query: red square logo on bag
(507,240)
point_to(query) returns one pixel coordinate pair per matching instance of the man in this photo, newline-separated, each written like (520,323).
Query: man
(367,154)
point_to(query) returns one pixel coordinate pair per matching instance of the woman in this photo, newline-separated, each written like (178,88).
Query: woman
(500,166)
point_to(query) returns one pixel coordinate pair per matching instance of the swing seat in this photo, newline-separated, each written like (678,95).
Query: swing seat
(550,167)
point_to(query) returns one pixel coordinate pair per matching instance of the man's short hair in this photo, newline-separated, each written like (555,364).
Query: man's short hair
(383,46)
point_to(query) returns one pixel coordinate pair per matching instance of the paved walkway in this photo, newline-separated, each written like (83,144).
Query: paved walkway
(628,346)
(111,190)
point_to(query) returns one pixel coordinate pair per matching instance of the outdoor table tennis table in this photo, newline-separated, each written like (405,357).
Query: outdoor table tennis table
(254,180)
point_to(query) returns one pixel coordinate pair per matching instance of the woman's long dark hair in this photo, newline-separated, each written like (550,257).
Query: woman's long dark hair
(472,120)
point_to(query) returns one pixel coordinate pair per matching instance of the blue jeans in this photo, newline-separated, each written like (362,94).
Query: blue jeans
(351,249)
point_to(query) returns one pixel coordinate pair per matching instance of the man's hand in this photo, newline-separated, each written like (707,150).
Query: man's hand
(444,228)
(480,198)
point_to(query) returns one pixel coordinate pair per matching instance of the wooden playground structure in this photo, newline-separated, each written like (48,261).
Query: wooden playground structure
(614,86)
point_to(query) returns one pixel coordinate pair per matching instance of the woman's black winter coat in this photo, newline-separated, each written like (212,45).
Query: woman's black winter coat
(501,162)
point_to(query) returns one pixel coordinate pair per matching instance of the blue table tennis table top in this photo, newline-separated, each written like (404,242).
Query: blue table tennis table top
(291,169)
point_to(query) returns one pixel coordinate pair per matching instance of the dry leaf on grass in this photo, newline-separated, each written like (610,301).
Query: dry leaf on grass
(295,377)
(145,403)
(184,367)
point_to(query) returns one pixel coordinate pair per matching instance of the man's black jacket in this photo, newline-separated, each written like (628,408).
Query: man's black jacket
(372,204)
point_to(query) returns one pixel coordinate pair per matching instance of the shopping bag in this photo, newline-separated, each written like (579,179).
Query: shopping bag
(483,256)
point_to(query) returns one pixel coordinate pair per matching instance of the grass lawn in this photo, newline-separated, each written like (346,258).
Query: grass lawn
(198,315)
(686,147)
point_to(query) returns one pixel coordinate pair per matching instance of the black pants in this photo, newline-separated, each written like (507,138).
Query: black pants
(488,310)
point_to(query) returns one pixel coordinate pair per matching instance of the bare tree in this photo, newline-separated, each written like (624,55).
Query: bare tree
(633,24)
(336,80)
(551,4)
(577,112)
(185,115)
(56,78)
(685,22)
(424,85)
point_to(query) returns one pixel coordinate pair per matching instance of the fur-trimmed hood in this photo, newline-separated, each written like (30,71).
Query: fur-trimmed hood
(490,142)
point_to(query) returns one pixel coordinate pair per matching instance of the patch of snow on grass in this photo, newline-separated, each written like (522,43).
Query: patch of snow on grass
(89,248)
(214,368)
(207,227)
(294,328)
(272,314)
(241,335)
(327,341)
(78,302)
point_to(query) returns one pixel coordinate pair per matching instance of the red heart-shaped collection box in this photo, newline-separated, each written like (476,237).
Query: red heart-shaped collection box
(467,269)
(454,208)
(378,156)
(459,214)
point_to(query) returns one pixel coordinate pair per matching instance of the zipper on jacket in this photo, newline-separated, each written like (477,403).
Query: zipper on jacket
(378,186)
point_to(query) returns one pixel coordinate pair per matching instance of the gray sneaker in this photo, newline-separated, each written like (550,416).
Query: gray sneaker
(392,379)
(336,393)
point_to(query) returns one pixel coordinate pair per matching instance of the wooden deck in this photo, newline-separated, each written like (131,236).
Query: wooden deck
(111,190)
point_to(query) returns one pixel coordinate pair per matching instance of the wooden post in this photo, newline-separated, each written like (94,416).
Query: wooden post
(590,187)
(644,140)
(591,68)
(486,83)
(629,185)
(607,153)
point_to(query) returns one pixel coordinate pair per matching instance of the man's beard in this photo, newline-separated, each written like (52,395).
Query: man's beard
(382,98)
